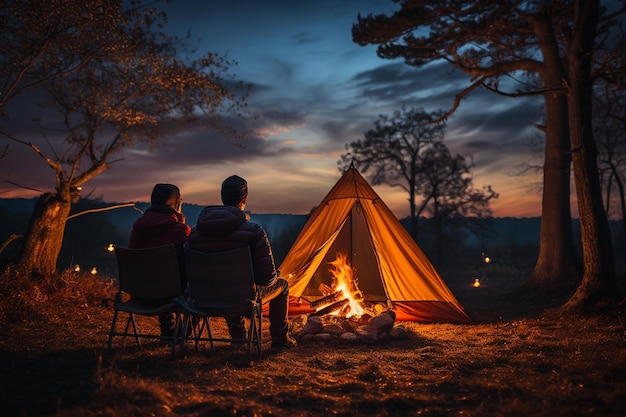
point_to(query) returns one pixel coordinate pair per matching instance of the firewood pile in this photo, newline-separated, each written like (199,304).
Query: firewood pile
(341,313)
(364,329)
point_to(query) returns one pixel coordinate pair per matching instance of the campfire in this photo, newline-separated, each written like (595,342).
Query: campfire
(344,298)
(342,312)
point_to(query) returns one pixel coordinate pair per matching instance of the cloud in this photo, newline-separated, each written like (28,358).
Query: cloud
(313,91)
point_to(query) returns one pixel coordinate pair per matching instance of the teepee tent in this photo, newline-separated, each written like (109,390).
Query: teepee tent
(389,266)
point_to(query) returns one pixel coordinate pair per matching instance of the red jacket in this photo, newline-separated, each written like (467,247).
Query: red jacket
(157,227)
(220,228)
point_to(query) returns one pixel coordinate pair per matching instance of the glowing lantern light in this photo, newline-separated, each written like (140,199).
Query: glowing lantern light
(486,260)
(476,283)
(94,271)
(110,248)
(77,268)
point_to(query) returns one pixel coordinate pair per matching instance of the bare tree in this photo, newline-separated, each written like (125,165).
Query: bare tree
(407,151)
(610,125)
(610,130)
(391,153)
(116,81)
(446,185)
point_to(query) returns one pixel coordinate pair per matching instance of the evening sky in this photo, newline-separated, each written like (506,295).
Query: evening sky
(314,90)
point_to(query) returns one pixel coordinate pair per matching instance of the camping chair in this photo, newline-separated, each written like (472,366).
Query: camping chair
(221,284)
(145,275)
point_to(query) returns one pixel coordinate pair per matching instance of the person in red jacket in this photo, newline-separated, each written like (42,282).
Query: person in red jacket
(163,223)
(220,228)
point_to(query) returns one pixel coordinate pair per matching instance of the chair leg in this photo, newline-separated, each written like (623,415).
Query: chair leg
(207,320)
(254,335)
(135,329)
(128,322)
(199,323)
(184,337)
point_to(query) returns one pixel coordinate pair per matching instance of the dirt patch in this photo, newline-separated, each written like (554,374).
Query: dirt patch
(520,358)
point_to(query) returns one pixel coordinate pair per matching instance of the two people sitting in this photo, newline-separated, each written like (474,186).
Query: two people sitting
(219,228)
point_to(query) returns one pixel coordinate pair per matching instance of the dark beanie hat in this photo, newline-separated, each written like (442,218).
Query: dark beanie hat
(234,189)
(165,195)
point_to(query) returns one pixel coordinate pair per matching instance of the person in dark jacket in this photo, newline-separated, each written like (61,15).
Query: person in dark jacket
(163,223)
(221,228)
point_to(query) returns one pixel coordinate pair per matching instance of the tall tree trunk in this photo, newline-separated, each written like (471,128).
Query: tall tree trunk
(44,238)
(598,283)
(558,265)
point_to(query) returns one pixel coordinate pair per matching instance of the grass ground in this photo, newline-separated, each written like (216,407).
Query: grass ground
(520,358)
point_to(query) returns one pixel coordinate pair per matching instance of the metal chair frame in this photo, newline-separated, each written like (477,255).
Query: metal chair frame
(146,274)
(221,284)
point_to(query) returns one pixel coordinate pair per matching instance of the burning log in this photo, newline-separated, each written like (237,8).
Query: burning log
(331,298)
(325,289)
(344,310)
(331,308)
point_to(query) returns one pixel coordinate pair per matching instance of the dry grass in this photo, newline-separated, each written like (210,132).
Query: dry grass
(521,358)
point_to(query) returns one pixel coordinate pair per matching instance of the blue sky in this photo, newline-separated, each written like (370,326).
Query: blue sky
(314,90)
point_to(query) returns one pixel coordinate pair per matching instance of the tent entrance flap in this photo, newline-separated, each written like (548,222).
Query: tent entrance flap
(354,242)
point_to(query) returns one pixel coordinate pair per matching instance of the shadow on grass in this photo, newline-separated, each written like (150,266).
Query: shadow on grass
(40,384)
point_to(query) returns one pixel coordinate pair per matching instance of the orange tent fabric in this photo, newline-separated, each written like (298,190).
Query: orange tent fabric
(389,266)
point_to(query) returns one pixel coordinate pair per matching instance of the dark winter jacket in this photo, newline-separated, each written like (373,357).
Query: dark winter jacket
(160,225)
(221,228)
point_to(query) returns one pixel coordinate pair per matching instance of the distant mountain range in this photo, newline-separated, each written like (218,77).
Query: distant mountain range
(519,231)
(87,236)
(506,230)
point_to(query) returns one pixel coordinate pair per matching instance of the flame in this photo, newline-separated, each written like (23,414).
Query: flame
(345,281)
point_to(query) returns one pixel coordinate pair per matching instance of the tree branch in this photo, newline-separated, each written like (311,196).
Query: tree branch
(538,92)
(53,164)
(97,210)
(457,100)
(23,186)
(8,241)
